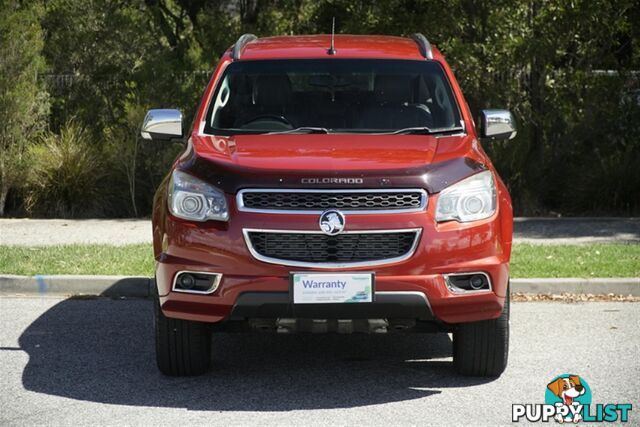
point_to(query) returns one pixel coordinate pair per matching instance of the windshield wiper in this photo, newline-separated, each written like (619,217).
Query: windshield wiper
(304,129)
(423,130)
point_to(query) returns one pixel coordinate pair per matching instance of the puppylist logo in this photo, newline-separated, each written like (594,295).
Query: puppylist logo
(568,399)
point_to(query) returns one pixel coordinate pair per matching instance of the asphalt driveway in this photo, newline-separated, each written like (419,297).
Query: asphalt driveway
(79,362)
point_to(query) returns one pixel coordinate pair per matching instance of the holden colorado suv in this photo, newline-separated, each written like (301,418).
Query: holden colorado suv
(332,185)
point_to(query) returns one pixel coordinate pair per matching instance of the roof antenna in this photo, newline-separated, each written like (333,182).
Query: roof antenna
(332,50)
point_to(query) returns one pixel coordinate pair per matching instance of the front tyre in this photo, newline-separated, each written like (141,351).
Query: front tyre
(183,347)
(482,348)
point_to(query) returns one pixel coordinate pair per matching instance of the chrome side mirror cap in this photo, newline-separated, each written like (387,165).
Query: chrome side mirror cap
(497,124)
(162,124)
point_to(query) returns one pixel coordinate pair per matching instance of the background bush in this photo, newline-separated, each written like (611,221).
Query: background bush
(65,175)
(568,69)
(24,102)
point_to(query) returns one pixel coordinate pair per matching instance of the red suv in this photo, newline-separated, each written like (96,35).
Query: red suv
(332,185)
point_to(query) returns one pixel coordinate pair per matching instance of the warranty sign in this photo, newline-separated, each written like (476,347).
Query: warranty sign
(331,288)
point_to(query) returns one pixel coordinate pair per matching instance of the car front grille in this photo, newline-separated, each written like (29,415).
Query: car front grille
(319,200)
(319,250)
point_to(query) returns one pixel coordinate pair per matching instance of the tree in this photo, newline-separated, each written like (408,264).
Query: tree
(110,60)
(23,100)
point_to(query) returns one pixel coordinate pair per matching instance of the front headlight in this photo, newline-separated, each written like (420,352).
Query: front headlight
(195,200)
(471,199)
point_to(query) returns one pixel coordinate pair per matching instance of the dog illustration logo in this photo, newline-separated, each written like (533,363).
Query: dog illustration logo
(332,222)
(567,389)
(567,399)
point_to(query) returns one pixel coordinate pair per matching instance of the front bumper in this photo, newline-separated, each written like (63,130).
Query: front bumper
(242,296)
(482,246)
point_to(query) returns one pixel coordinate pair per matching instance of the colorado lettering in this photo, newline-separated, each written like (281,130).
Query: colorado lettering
(331,180)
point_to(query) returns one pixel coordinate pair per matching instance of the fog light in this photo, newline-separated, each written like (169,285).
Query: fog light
(467,282)
(187,281)
(477,282)
(196,282)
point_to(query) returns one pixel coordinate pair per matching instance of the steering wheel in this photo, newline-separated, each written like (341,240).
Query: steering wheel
(279,121)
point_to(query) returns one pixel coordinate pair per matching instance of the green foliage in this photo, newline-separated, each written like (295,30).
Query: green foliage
(136,166)
(108,61)
(65,175)
(121,156)
(23,102)
(100,45)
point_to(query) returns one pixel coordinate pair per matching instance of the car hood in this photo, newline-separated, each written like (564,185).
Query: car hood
(336,160)
(320,152)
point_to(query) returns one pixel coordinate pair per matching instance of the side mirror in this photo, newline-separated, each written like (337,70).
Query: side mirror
(162,124)
(497,124)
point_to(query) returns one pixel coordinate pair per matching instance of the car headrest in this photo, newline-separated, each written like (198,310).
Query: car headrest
(272,90)
(394,89)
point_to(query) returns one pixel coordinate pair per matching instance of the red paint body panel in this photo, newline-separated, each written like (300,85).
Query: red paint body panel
(408,161)
(319,152)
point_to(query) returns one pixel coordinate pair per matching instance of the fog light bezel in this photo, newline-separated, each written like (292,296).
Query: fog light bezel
(214,285)
(457,290)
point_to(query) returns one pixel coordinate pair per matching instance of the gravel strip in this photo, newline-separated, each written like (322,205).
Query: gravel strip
(50,232)
(573,298)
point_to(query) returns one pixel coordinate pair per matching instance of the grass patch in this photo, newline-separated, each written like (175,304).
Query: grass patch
(131,260)
(599,260)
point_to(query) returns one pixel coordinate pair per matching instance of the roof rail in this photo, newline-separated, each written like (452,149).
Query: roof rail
(240,44)
(423,45)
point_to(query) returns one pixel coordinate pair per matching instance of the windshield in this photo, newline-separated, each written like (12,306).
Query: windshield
(333,95)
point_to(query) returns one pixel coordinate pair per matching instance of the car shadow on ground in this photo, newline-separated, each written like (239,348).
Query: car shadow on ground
(101,350)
